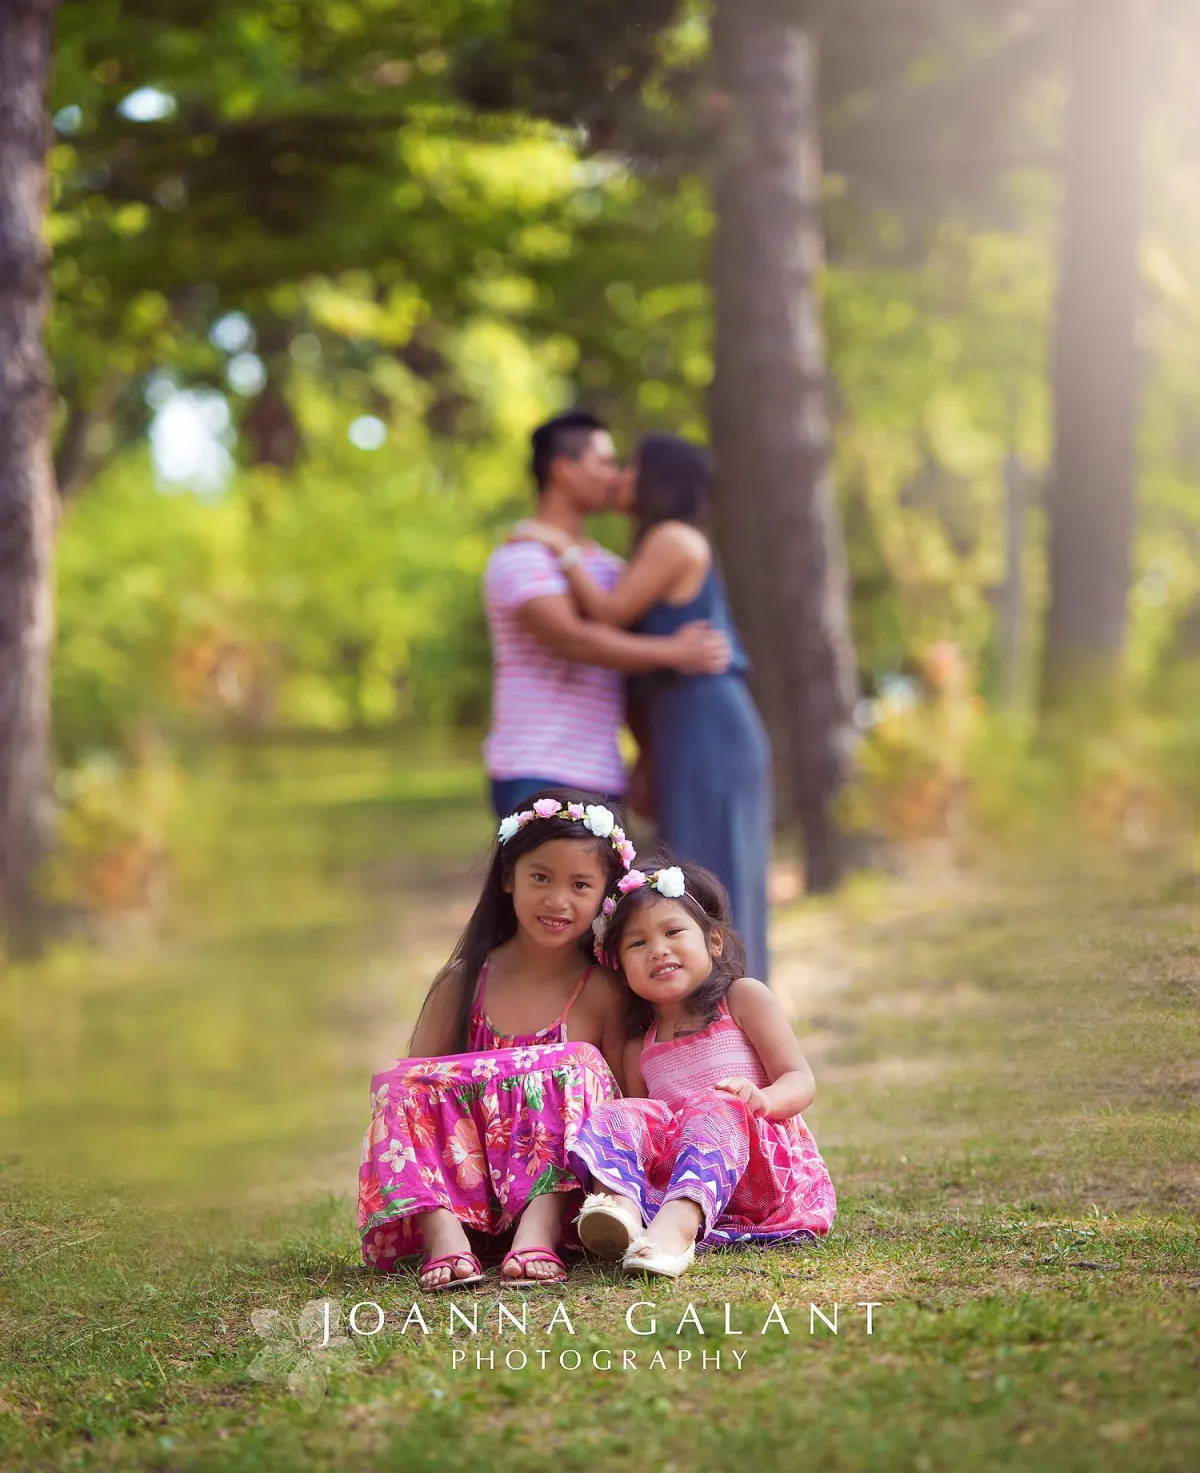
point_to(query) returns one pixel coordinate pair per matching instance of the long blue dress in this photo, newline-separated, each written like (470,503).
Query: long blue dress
(711,763)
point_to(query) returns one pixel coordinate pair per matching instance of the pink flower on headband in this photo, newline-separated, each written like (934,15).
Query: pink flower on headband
(527,817)
(634,880)
(546,807)
(627,852)
(618,837)
(609,905)
(575,810)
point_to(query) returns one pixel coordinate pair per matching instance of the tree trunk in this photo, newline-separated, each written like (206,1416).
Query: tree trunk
(1091,495)
(1012,593)
(777,525)
(27,497)
(269,428)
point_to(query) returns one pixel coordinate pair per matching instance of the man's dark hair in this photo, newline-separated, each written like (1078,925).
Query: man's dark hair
(565,434)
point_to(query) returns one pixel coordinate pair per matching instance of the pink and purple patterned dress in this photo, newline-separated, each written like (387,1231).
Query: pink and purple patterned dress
(480,1133)
(756,1180)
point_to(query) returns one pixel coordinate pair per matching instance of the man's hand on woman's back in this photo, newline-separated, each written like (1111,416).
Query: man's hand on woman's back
(702,650)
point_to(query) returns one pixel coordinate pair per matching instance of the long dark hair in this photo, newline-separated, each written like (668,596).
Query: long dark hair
(674,478)
(494,920)
(705,900)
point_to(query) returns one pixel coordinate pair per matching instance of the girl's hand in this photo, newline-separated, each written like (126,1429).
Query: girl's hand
(554,538)
(746,1091)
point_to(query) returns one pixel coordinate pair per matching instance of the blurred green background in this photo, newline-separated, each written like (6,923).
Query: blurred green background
(317,272)
(318,269)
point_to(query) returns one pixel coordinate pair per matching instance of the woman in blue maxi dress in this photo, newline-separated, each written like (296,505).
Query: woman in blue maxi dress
(709,761)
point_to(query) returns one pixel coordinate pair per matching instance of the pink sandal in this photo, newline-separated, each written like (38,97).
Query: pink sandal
(523,1256)
(448,1260)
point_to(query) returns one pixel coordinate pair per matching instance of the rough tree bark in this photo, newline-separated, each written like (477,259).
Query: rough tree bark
(1091,494)
(27,496)
(776,522)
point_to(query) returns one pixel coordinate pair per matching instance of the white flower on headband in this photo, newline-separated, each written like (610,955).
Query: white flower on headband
(598,820)
(669,883)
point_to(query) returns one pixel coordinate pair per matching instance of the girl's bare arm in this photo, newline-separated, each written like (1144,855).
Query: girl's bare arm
(633,1083)
(435,1030)
(756,1011)
(612,1034)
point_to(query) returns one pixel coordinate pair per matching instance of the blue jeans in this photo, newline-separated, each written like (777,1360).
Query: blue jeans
(511,793)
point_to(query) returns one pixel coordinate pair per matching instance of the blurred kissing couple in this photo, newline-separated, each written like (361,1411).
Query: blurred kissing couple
(584,643)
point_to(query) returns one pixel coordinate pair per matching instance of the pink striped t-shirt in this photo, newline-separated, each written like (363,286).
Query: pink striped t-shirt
(551,717)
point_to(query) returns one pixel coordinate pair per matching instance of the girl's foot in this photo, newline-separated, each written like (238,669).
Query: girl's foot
(668,1245)
(644,1258)
(445,1240)
(675,1228)
(540,1226)
(547,1267)
(608,1224)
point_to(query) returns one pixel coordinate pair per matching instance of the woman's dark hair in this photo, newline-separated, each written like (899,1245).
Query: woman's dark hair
(494,920)
(705,900)
(673,481)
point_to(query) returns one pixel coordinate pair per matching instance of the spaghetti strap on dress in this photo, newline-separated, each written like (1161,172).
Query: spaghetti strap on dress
(480,1134)
(485,1035)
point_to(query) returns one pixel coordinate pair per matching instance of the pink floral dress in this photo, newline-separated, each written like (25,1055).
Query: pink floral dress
(480,1133)
(755,1180)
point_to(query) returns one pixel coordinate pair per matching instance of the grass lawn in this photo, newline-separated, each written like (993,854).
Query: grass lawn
(1009,1096)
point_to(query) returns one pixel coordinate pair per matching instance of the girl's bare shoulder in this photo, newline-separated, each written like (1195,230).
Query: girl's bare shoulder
(601,992)
(750,997)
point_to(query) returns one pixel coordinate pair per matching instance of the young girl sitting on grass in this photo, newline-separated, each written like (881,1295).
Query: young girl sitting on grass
(718,1150)
(481,1140)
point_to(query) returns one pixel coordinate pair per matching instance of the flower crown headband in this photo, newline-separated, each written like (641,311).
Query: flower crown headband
(668,882)
(594,817)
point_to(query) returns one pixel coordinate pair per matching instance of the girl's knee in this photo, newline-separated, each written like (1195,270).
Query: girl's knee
(584,1053)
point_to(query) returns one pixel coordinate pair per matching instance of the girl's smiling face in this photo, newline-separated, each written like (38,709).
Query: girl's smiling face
(557,889)
(664,953)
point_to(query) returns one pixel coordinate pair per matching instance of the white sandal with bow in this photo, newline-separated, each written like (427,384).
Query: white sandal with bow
(608,1226)
(645,1257)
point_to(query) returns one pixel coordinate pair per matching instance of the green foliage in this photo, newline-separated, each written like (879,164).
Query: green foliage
(141,577)
(457,217)
(344,595)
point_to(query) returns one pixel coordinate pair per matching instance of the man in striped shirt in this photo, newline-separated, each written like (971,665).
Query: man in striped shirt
(558,692)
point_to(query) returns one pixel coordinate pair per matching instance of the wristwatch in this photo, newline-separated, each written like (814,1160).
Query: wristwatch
(568,559)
